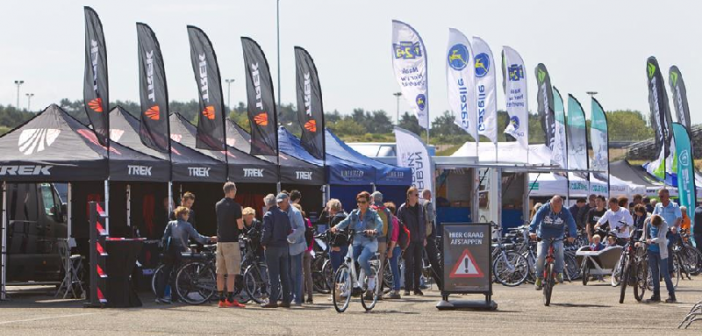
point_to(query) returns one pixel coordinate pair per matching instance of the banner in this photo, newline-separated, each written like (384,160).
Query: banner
(412,153)
(515,87)
(559,152)
(210,124)
(263,114)
(599,139)
(545,106)
(576,134)
(310,111)
(460,80)
(660,118)
(95,85)
(677,87)
(409,60)
(685,169)
(485,89)
(153,93)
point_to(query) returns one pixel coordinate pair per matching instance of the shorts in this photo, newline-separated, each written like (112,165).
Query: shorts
(228,258)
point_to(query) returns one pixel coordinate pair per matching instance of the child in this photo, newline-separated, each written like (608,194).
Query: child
(596,243)
(611,240)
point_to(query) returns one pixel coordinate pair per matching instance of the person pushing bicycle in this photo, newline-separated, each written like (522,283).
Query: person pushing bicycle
(366,223)
(550,223)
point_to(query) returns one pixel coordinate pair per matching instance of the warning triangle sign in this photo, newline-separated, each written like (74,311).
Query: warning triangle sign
(466,267)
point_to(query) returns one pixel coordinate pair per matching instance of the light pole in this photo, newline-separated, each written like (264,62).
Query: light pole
(277,25)
(592,93)
(397,95)
(18,83)
(29,100)
(229,93)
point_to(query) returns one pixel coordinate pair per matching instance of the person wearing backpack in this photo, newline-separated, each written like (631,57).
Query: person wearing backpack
(432,251)
(384,236)
(411,214)
(394,252)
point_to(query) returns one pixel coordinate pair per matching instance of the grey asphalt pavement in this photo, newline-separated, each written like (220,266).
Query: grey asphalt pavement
(575,310)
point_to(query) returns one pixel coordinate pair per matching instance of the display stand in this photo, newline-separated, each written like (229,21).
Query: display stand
(98,256)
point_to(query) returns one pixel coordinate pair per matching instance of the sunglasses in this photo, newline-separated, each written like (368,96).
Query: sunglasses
(362,202)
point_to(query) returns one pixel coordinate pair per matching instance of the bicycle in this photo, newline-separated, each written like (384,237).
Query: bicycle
(196,281)
(346,277)
(549,276)
(322,272)
(634,272)
(509,267)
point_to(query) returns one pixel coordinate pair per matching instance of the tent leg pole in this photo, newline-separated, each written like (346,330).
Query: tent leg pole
(69,214)
(278,187)
(374,187)
(3,276)
(107,206)
(170,197)
(129,205)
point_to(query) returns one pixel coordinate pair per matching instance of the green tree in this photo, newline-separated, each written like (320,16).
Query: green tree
(627,125)
(410,123)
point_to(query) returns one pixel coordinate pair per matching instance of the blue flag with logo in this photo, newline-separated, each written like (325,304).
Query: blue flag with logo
(685,169)
(409,60)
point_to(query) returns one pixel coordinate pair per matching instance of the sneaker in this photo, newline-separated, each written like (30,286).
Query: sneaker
(224,304)
(163,301)
(654,299)
(539,284)
(671,299)
(309,301)
(418,292)
(559,278)
(394,295)
(270,305)
(235,304)
(407,293)
(284,305)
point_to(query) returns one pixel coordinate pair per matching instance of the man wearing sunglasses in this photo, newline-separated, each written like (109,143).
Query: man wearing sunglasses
(366,223)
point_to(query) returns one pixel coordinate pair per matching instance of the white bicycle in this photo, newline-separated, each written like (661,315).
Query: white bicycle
(345,282)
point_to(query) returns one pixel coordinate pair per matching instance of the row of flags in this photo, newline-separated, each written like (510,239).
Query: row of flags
(211,120)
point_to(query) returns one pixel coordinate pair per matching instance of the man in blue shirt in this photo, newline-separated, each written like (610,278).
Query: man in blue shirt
(550,223)
(297,244)
(670,212)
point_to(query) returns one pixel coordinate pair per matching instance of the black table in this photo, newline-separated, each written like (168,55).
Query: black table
(122,255)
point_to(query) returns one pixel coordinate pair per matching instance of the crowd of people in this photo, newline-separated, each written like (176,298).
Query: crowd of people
(284,241)
(656,223)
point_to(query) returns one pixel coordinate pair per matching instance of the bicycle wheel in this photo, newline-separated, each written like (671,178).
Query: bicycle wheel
(369,304)
(585,272)
(677,271)
(624,279)
(256,282)
(641,280)
(617,271)
(341,288)
(154,278)
(510,268)
(549,282)
(387,275)
(196,283)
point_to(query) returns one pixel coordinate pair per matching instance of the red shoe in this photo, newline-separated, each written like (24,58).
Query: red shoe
(224,304)
(236,304)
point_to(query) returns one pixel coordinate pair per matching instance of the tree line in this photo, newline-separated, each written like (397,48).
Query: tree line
(360,124)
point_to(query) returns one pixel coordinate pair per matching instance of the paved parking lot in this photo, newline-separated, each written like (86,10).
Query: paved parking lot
(575,310)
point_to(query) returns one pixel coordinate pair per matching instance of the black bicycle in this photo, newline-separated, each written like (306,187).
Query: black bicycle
(549,274)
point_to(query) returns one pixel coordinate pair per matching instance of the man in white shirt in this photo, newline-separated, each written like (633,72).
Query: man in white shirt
(619,219)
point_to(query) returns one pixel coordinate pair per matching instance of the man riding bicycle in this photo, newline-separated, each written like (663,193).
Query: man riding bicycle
(550,223)
(366,223)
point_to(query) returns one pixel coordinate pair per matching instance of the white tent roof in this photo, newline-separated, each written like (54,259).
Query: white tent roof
(509,152)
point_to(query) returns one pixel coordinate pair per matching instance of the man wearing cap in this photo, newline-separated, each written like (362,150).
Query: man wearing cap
(274,238)
(297,244)
(384,236)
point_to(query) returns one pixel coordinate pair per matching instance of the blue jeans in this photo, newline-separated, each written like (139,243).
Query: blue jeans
(277,260)
(542,251)
(337,257)
(659,266)
(395,267)
(296,277)
(363,254)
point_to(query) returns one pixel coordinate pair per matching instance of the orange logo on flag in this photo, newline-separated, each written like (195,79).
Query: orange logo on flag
(311,126)
(96,105)
(209,112)
(153,113)
(261,119)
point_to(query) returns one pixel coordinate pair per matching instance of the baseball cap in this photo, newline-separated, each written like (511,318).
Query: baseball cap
(281,197)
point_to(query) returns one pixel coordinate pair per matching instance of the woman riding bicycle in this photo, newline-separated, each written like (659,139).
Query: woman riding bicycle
(366,223)
(175,242)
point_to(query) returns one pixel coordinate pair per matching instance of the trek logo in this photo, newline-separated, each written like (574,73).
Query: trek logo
(204,88)
(150,76)
(311,126)
(95,104)
(261,119)
(199,171)
(35,140)
(25,170)
(209,112)
(139,170)
(257,85)
(304,175)
(308,95)
(352,173)
(253,172)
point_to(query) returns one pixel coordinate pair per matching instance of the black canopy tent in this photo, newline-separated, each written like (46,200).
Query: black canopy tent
(635,174)
(55,147)
(255,177)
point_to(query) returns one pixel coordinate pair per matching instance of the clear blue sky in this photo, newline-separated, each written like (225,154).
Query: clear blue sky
(586,45)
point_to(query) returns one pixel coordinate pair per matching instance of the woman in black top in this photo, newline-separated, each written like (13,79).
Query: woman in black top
(339,244)
(252,229)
